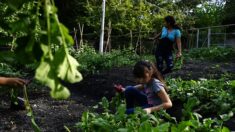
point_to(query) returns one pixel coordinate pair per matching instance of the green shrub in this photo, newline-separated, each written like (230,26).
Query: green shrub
(92,62)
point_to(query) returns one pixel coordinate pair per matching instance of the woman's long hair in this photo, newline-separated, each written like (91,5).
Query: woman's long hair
(171,21)
(141,67)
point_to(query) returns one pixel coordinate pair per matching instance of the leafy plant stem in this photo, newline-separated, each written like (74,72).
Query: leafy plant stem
(30,111)
(47,7)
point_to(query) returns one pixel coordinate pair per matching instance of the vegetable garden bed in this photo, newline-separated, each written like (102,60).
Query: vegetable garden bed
(53,115)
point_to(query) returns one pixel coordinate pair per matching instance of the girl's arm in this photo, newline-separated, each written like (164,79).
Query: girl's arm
(178,42)
(120,88)
(139,86)
(166,102)
(17,82)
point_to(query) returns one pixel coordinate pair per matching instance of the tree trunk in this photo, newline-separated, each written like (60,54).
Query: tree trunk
(81,34)
(75,38)
(108,42)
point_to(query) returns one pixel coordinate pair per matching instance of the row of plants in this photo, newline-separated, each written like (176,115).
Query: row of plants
(212,53)
(93,62)
(214,96)
(160,121)
(208,96)
(218,54)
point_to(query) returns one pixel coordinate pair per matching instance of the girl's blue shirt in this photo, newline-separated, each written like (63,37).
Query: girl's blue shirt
(175,33)
(151,89)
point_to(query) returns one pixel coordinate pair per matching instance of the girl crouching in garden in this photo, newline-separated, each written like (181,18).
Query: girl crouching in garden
(150,94)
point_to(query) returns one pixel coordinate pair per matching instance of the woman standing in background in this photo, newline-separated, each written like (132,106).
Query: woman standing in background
(169,35)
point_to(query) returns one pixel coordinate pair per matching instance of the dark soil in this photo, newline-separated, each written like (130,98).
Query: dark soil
(53,115)
(196,69)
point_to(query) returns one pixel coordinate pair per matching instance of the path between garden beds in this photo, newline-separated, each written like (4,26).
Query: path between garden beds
(52,115)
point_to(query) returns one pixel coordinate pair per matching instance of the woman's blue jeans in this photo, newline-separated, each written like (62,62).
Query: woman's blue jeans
(166,56)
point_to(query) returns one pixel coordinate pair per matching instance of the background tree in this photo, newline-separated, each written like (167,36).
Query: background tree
(229,10)
(209,14)
(140,17)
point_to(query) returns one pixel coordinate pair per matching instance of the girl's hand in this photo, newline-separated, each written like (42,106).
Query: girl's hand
(16,82)
(119,88)
(148,110)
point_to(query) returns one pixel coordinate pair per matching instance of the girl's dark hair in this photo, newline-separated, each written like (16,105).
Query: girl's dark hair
(141,67)
(171,21)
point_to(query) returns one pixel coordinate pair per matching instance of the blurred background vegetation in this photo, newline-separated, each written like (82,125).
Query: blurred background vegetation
(127,22)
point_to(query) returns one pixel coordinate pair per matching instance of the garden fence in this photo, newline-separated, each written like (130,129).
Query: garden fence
(223,36)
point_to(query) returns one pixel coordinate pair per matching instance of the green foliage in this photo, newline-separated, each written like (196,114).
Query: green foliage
(131,15)
(140,17)
(142,122)
(214,96)
(40,38)
(119,121)
(233,83)
(187,5)
(229,15)
(209,14)
(213,53)
(8,71)
(178,63)
(30,111)
(10,16)
(94,62)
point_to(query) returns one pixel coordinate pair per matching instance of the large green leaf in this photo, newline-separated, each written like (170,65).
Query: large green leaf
(67,67)
(162,128)
(232,83)
(225,129)
(46,74)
